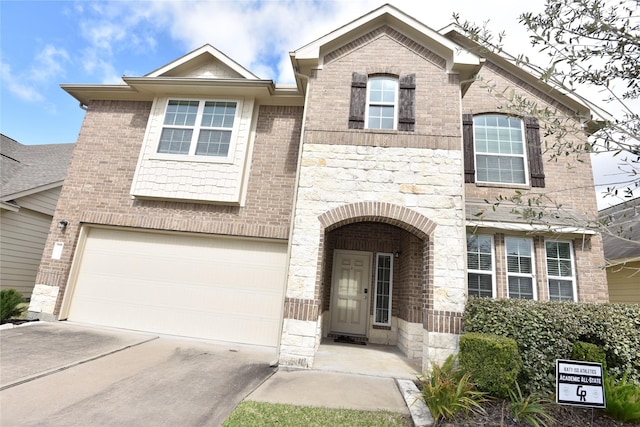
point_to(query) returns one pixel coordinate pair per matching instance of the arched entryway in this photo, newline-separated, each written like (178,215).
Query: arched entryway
(375,276)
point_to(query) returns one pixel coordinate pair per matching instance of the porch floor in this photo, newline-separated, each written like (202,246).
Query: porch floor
(371,359)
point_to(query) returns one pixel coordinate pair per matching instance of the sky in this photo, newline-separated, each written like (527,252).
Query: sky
(47,43)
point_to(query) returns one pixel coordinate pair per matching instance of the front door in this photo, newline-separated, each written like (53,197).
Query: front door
(350,292)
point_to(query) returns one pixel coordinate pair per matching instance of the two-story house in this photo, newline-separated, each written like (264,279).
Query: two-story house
(203,201)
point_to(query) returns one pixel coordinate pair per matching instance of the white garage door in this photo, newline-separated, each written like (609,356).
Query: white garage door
(213,288)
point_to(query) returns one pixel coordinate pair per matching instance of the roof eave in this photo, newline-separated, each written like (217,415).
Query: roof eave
(30,191)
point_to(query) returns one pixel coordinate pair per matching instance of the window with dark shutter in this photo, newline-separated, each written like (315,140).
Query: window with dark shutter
(406,110)
(494,149)
(469,154)
(534,148)
(358,101)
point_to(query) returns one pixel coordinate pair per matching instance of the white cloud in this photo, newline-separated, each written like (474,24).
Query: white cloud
(16,85)
(48,65)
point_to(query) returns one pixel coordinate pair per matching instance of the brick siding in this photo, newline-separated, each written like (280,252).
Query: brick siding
(97,187)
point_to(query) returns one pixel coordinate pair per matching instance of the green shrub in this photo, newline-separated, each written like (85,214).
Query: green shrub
(546,330)
(10,301)
(530,409)
(492,361)
(588,352)
(447,391)
(623,399)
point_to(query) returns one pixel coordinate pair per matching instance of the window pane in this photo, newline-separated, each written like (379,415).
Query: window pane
(381,117)
(383,289)
(560,290)
(181,113)
(479,253)
(480,285)
(175,141)
(500,169)
(219,114)
(213,143)
(521,287)
(559,259)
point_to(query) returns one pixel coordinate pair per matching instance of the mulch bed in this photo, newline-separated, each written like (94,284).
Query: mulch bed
(566,416)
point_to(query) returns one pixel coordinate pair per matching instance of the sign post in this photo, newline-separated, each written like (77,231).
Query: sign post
(580,383)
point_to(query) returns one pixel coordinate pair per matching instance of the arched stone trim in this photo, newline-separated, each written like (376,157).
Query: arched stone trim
(400,216)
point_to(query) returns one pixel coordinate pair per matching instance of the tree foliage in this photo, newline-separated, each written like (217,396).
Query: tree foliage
(591,44)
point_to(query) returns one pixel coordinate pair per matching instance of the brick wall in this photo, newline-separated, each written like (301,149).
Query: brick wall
(99,178)
(569,182)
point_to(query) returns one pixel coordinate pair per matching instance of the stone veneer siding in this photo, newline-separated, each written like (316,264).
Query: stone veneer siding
(407,185)
(96,189)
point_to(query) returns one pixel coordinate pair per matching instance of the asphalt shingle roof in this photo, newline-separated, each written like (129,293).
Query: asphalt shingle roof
(27,167)
(623,237)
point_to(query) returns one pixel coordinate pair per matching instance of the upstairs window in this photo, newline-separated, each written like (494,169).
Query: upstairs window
(382,102)
(504,150)
(500,149)
(560,271)
(198,128)
(480,270)
(382,99)
(520,270)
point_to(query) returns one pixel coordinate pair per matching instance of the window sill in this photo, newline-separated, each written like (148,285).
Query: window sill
(503,185)
(191,159)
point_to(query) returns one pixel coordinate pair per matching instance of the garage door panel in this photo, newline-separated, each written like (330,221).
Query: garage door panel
(212,288)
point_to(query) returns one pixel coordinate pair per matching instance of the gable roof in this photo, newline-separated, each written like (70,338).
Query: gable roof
(204,52)
(623,223)
(28,169)
(458,59)
(178,77)
(581,107)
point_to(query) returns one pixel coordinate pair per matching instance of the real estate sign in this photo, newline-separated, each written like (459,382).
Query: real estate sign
(579,383)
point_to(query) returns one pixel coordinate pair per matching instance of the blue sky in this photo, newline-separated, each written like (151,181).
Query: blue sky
(47,43)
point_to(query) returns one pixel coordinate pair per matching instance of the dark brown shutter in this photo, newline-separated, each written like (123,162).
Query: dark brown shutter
(407,99)
(358,101)
(469,154)
(534,149)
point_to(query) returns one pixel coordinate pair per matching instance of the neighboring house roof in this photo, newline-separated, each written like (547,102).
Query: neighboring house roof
(622,242)
(28,169)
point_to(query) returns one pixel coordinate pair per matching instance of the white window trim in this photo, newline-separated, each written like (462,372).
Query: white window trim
(494,288)
(574,284)
(524,156)
(533,266)
(375,294)
(395,102)
(191,156)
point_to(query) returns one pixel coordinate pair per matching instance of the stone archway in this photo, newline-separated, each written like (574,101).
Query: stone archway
(379,228)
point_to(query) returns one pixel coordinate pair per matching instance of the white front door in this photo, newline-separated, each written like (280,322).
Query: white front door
(350,292)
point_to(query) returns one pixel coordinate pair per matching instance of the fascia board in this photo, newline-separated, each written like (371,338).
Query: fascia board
(525,227)
(30,191)
(86,93)
(147,88)
(9,206)
(388,15)
(580,105)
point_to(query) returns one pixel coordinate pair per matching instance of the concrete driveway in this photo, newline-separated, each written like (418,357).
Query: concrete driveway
(54,374)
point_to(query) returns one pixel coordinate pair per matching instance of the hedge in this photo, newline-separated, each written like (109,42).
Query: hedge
(492,361)
(546,330)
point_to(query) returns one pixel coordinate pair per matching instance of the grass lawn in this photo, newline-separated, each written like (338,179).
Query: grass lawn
(271,414)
